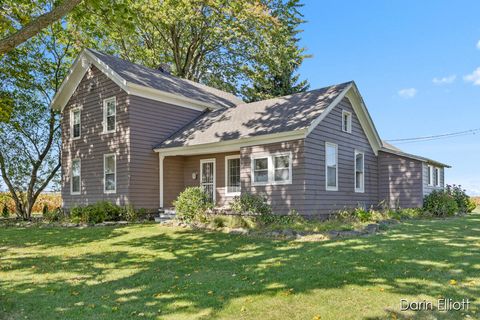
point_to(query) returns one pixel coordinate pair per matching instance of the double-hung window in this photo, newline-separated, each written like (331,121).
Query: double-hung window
(75,178)
(110,173)
(75,127)
(430,175)
(109,114)
(232,175)
(331,166)
(359,171)
(346,121)
(272,169)
(437,177)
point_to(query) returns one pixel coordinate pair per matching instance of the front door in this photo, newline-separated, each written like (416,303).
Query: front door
(207,177)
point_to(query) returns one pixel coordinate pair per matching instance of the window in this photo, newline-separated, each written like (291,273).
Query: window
(260,170)
(109,114)
(232,175)
(346,121)
(75,179)
(110,173)
(75,123)
(437,177)
(331,167)
(272,169)
(359,172)
(430,175)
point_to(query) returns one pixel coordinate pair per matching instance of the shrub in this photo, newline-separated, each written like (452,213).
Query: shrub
(97,212)
(464,202)
(53,215)
(440,203)
(130,214)
(5,212)
(357,214)
(252,204)
(192,203)
(471,205)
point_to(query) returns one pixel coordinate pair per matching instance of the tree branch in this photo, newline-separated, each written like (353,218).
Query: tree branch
(31,29)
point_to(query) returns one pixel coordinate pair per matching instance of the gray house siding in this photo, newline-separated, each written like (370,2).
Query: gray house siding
(319,201)
(400,181)
(427,189)
(150,122)
(93,143)
(283,197)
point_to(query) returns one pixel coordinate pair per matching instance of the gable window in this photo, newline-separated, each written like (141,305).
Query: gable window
(109,114)
(331,166)
(430,175)
(346,121)
(110,173)
(75,123)
(359,171)
(437,177)
(232,175)
(272,169)
(75,179)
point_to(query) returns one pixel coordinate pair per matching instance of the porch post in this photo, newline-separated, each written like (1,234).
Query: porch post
(161,158)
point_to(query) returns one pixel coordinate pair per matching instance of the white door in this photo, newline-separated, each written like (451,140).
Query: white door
(207,177)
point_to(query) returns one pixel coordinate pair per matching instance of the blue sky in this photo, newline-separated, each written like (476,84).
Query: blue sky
(414,63)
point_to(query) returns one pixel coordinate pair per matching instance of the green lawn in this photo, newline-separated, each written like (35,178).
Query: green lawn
(150,271)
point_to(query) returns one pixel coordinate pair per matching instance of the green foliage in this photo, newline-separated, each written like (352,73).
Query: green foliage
(407,213)
(471,205)
(97,212)
(53,215)
(464,202)
(5,212)
(357,214)
(440,203)
(251,204)
(191,204)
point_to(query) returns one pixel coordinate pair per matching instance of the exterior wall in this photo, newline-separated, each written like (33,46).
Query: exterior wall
(151,122)
(428,189)
(400,181)
(178,175)
(93,143)
(319,201)
(284,197)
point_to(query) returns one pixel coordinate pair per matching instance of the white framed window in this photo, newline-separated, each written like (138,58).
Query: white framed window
(331,166)
(75,123)
(76,177)
(232,175)
(430,175)
(109,173)
(272,169)
(109,115)
(437,177)
(346,121)
(359,171)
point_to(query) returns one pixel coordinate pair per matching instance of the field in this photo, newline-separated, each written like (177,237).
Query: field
(51,200)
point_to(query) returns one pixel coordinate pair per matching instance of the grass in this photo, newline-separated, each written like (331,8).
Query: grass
(153,272)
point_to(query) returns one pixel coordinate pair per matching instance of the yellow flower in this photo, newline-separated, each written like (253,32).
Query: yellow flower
(453,282)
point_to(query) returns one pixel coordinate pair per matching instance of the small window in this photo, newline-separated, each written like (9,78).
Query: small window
(359,172)
(437,177)
(331,167)
(76,120)
(75,179)
(109,114)
(430,175)
(232,175)
(110,173)
(281,167)
(260,170)
(346,121)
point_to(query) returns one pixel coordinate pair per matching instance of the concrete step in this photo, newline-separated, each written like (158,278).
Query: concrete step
(165,214)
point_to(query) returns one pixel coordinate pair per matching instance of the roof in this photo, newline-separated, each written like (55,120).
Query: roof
(143,81)
(284,114)
(390,148)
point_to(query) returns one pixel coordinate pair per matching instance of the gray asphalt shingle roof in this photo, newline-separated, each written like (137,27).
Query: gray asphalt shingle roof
(159,80)
(283,114)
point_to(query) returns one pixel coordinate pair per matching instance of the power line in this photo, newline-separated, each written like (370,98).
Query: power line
(435,137)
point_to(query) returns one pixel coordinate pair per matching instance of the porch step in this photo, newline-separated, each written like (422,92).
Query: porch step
(165,214)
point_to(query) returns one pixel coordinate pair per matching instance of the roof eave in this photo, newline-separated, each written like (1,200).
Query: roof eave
(415,157)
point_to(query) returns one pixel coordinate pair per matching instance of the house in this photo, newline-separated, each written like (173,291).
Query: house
(140,136)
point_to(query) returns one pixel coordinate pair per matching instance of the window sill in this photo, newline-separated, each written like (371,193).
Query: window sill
(278,183)
(76,138)
(75,193)
(331,189)
(232,194)
(109,192)
(359,191)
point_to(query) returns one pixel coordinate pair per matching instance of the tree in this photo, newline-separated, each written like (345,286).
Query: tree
(26,14)
(277,74)
(30,75)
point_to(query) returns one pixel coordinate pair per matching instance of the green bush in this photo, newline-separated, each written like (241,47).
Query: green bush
(440,203)
(471,205)
(192,204)
(5,212)
(53,215)
(464,202)
(251,204)
(357,214)
(97,212)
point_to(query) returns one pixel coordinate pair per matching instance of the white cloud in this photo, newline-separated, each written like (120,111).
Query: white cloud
(407,93)
(478,45)
(444,80)
(473,77)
